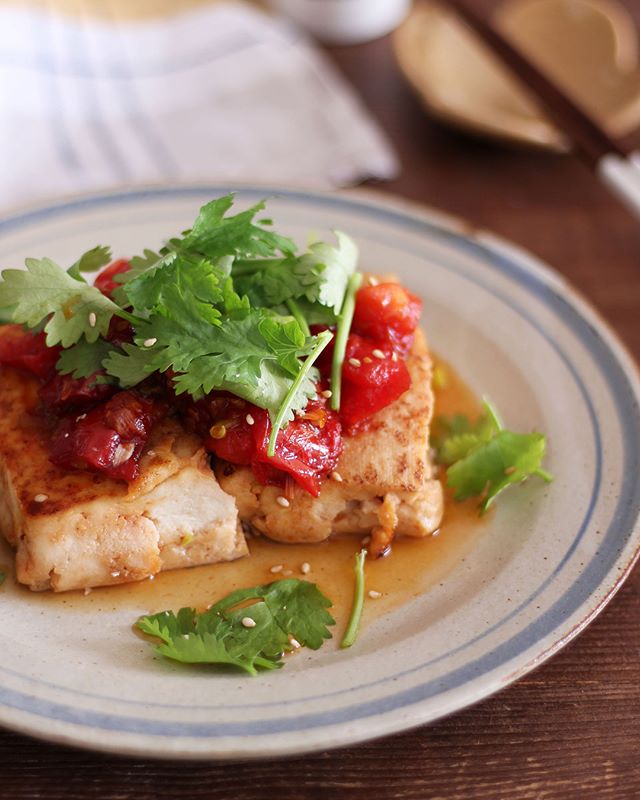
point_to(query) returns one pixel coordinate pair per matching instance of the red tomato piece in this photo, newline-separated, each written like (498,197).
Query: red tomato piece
(105,279)
(221,419)
(308,449)
(24,350)
(110,438)
(369,383)
(63,393)
(387,313)
(363,365)
(120,331)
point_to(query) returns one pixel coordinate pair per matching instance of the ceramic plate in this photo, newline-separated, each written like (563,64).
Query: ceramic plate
(547,561)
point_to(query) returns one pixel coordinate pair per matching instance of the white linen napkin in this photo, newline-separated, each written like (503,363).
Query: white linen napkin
(222,93)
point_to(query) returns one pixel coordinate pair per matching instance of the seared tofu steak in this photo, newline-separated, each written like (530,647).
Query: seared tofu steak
(384,484)
(75,529)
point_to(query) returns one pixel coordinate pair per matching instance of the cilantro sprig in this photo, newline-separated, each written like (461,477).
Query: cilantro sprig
(67,305)
(250,637)
(483,458)
(227,305)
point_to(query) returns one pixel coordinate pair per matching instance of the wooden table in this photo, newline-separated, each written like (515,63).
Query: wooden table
(572,728)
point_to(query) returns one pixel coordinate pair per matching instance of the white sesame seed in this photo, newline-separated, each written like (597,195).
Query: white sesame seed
(366,540)
(276,568)
(295,643)
(305,568)
(394,357)
(247,622)
(115,574)
(93,320)
(40,498)
(150,342)
(82,416)
(152,577)
(378,354)
(327,393)
(373,281)
(355,362)
(336,476)
(87,591)
(374,595)
(250,419)
(282,501)
(288,572)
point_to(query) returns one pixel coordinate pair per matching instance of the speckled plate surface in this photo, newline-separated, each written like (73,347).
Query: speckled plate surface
(549,559)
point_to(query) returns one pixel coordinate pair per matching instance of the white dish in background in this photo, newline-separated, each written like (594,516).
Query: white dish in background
(549,558)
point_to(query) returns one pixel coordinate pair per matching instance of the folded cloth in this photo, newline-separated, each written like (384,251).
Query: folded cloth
(223,93)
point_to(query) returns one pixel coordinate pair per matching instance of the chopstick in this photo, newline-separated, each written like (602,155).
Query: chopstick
(615,166)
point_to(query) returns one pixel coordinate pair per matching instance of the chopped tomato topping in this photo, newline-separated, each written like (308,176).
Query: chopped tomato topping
(28,351)
(105,280)
(387,313)
(120,331)
(371,380)
(109,438)
(308,449)
(62,393)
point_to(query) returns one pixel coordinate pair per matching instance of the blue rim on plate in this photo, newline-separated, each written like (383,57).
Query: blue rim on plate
(399,709)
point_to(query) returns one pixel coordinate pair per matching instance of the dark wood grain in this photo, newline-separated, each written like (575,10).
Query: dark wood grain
(569,730)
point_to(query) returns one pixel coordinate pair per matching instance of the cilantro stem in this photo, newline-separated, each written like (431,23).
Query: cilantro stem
(296,313)
(358,601)
(323,340)
(342,334)
(492,413)
(542,473)
(129,317)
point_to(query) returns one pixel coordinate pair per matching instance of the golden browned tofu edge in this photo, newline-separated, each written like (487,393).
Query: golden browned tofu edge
(76,529)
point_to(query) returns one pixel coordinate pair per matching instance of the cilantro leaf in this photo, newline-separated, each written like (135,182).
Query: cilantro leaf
(272,282)
(279,611)
(335,266)
(45,290)
(214,235)
(287,341)
(130,365)
(483,458)
(84,358)
(138,265)
(508,458)
(453,438)
(318,277)
(6,315)
(154,289)
(91,261)
(242,352)
(234,305)
(315,313)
